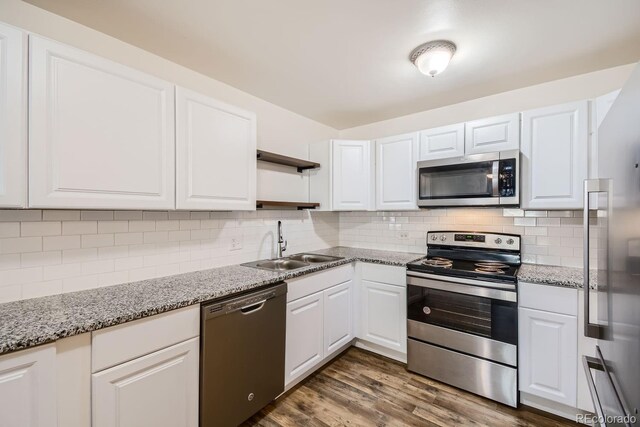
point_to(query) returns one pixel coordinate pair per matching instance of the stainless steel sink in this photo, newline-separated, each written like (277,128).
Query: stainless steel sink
(281,264)
(292,262)
(314,258)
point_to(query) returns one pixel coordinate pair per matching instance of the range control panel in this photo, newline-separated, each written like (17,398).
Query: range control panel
(474,240)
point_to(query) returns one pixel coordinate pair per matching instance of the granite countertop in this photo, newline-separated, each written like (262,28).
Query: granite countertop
(554,276)
(32,322)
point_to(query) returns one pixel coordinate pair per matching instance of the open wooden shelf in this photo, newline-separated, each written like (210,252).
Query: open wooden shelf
(261,204)
(299,164)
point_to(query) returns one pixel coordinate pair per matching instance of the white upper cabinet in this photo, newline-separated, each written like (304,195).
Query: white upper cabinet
(352,180)
(599,109)
(28,388)
(13,118)
(396,172)
(492,134)
(215,154)
(101,135)
(441,143)
(555,146)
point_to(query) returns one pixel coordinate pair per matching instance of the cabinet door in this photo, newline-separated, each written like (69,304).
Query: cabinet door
(492,134)
(156,390)
(441,143)
(599,109)
(555,145)
(28,388)
(396,172)
(215,154)
(338,316)
(101,135)
(548,354)
(352,179)
(384,315)
(305,340)
(13,118)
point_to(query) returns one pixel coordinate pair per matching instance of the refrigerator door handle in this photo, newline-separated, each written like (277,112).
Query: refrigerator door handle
(591,186)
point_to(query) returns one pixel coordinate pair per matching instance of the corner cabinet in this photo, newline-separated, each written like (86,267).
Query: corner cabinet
(101,135)
(441,143)
(352,178)
(555,147)
(28,388)
(492,134)
(396,172)
(383,309)
(215,154)
(13,118)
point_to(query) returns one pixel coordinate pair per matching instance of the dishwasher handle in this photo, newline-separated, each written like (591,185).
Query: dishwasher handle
(246,304)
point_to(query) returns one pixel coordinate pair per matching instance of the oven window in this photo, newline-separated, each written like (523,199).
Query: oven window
(457,181)
(480,316)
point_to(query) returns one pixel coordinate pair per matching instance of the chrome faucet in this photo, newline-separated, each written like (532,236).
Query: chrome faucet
(282,244)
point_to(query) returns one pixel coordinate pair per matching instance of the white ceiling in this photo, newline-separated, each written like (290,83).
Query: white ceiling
(345,62)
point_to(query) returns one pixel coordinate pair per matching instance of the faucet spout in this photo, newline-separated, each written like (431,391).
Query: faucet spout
(282,244)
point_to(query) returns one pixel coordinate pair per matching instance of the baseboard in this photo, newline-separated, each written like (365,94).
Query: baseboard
(551,407)
(383,351)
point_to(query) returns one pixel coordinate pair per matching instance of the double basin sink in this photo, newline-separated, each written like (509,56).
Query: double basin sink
(292,262)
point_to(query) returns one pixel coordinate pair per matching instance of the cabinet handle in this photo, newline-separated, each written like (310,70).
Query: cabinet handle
(592,186)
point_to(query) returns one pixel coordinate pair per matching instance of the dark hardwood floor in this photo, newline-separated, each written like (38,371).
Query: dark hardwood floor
(362,389)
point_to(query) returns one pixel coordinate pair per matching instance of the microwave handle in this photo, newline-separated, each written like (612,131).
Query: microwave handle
(495,179)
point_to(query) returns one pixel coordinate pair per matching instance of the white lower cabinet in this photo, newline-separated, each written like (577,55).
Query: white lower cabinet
(156,390)
(383,315)
(305,340)
(28,388)
(338,316)
(548,355)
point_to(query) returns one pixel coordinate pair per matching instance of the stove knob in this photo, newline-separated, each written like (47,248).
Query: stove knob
(443,237)
(498,241)
(434,237)
(510,242)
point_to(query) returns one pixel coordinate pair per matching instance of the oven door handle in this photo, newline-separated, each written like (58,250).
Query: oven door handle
(479,291)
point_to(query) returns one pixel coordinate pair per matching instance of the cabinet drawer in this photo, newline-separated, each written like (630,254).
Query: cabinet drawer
(316,282)
(390,274)
(118,344)
(554,299)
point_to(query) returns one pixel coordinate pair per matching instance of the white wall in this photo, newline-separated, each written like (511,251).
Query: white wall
(574,88)
(279,130)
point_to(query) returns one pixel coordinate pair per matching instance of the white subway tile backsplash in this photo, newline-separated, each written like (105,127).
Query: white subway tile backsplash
(136,226)
(9,229)
(60,242)
(113,227)
(11,215)
(96,215)
(127,215)
(61,215)
(79,227)
(47,228)
(36,259)
(97,240)
(20,245)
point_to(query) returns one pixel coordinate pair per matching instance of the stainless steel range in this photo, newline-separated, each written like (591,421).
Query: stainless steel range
(462,313)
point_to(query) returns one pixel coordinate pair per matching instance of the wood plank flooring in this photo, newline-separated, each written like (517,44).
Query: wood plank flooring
(362,389)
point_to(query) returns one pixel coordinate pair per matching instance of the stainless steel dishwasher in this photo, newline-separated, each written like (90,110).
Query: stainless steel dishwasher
(242,351)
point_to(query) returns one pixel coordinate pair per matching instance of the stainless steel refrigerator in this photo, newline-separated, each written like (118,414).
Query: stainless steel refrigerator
(612,228)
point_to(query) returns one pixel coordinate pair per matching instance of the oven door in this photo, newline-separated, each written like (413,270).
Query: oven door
(460,315)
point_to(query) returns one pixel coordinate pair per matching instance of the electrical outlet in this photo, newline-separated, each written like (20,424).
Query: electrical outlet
(236,244)
(404,234)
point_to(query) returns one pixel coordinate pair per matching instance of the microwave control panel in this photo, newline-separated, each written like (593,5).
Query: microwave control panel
(507,184)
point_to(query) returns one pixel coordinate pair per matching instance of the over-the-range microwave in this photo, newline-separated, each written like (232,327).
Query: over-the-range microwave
(491,179)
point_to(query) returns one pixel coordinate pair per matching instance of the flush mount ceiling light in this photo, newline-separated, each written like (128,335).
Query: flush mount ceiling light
(433,57)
